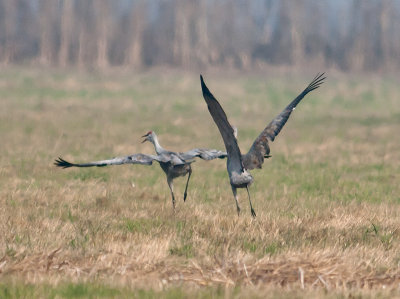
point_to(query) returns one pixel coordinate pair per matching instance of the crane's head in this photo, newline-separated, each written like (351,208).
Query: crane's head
(149,136)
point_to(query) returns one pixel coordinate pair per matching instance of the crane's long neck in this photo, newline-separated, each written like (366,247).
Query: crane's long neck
(159,149)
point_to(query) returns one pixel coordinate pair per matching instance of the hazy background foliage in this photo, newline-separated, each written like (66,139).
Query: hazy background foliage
(347,35)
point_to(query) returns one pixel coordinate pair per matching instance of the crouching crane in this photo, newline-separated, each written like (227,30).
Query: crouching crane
(238,164)
(174,164)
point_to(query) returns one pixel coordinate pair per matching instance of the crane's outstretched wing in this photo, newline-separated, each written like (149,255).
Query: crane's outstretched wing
(133,159)
(205,154)
(226,130)
(260,149)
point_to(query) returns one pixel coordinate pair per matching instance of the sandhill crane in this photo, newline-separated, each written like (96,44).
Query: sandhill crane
(238,164)
(174,164)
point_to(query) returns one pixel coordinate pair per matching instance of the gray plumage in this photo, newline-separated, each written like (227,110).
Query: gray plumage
(174,164)
(132,159)
(238,164)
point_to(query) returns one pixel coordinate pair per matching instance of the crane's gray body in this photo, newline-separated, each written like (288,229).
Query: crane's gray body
(240,180)
(174,171)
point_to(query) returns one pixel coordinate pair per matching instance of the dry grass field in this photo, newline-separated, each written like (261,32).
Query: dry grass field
(327,202)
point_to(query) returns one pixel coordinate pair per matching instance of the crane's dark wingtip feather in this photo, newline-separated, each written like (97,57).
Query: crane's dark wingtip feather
(316,82)
(60,162)
(203,86)
(204,89)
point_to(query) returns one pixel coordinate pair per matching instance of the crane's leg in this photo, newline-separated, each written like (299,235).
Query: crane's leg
(187,183)
(253,213)
(171,187)
(236,199)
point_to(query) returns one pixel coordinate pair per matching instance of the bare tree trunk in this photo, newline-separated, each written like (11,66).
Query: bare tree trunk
(10,13)
(355,53)
(83,14)
(296,13)
(395,39)
(281,42)
(136,27)
(177,51)
(66,31)
(181,46)
(384,19)
(202,46)
(102,48)
(81,50)
(47,14)
(103,24)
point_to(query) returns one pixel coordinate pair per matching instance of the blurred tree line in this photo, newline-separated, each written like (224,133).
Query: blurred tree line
(346,34)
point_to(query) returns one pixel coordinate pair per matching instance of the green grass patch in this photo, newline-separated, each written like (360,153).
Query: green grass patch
(89,174)
(143,226)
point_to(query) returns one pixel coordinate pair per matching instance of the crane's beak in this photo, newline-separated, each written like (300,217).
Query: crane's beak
(145,138)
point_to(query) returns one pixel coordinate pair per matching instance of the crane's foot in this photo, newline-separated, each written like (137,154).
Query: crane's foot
(238,210)
(184,196)
(253,213)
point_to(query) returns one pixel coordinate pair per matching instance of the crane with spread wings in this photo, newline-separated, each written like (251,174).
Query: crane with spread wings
(238,164)
(174,164)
